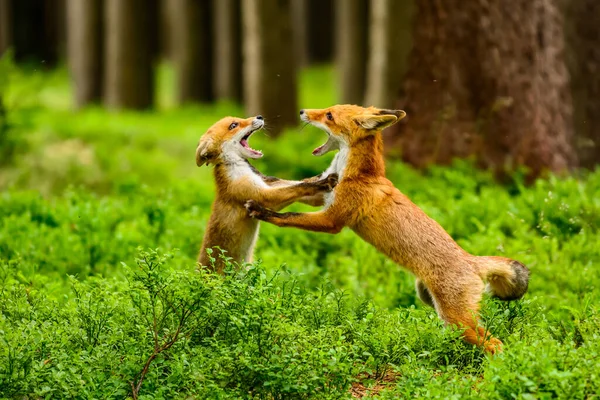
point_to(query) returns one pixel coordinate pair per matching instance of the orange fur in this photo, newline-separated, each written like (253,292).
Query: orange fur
(229,228)
(449,278)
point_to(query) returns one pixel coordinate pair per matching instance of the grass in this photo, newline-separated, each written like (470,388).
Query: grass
(101,217)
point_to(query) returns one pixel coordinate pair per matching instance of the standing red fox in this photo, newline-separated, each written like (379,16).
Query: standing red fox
(225,145)
(448,278)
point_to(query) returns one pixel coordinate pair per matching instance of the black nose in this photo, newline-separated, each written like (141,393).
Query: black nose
(301,112)
(259,117)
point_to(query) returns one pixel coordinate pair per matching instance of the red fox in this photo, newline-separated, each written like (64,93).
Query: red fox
(225,145)
(448,278)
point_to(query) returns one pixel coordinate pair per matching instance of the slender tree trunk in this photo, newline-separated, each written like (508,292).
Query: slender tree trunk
(300,14)
(6,29)
(32,29)
(55,30)
(129,80)
(228,49)
(320,30)
(192,49)
(165,30)
(351,47)
(269,65)
(84,49)
(487,80)
(390,41)
(583,39)
(313,24)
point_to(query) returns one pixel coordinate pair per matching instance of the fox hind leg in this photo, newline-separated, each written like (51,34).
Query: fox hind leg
(460,308)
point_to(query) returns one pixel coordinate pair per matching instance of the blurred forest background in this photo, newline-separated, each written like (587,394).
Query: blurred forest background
(507,83)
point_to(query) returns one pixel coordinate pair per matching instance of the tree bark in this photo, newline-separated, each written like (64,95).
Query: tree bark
(228,49)
(351,48)
(269,66)
(390,42)
(6,37)
(300,14)
(583,40)
(192,49)
(313,31)
(487,80)
(84,49)
(129,80)
(32,29)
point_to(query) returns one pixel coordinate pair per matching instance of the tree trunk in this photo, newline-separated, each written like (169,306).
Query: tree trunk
(55,12)
(351,48)
(228,50)
(84,49)
(6,29)
(129,80)
(192,49)
(320,31)
(299,31)
(487,80)
(583,39)
(390,42)
(269,65)
(32,29)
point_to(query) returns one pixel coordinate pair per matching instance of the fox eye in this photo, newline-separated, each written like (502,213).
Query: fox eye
(233,125)
(329,116)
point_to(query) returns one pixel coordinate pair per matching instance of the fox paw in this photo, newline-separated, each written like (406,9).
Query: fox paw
(254,210)
(493,346)
(329,182)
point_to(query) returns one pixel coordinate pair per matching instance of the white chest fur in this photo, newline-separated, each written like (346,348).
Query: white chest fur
(238,168)
(337,166)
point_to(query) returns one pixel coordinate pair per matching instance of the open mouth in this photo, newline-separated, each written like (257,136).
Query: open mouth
(318,150)
(325,147)
(244,143)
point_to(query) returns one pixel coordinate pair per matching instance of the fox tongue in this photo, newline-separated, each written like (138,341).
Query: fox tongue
(244,143)
(318,149)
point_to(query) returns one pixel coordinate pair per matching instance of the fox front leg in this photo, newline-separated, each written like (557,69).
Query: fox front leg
(317,222)
(278,197)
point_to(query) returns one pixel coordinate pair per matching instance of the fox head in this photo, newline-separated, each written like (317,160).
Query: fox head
(348,124)
(228,138)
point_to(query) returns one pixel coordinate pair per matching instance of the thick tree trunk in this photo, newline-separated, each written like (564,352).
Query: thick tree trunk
(192,49)
(583,40)
(6,29)
(129,80)
(390,41)
(84,49)
(269,65)
(487,80)
(351,48)
(228,49)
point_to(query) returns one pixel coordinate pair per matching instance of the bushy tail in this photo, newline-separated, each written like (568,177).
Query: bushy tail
(506,279)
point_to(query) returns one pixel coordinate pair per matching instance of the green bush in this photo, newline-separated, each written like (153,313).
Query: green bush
(84,313)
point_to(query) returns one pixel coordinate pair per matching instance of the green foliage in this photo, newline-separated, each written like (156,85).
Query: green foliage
(86,312)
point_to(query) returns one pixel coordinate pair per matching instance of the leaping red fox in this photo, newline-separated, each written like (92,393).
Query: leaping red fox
(448,278)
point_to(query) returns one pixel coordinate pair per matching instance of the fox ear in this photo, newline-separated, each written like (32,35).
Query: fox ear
(398,113)
(377,122)
(205,153)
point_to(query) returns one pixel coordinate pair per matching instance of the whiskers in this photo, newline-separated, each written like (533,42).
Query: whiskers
(304,126)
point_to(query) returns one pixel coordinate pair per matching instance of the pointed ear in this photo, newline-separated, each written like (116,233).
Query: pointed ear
(398,113)
(205,153)
(377,122)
